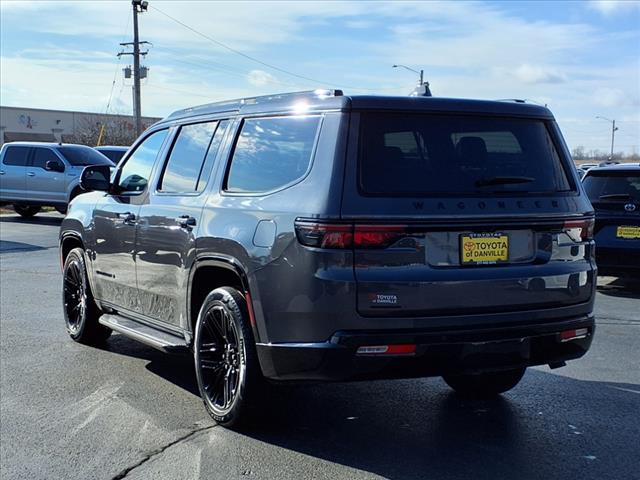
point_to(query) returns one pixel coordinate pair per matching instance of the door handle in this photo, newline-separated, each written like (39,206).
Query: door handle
(1,172)
(186,221)
(31,174)
(127,217)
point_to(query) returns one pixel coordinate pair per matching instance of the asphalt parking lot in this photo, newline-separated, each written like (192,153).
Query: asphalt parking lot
(71,411)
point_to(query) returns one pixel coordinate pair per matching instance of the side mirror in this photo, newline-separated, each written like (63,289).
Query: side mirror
(54,166)
(95,177)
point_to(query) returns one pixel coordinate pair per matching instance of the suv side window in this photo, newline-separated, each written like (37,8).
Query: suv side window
(16,156)
(137,169)
(41,156)
(271,153)
(189,164)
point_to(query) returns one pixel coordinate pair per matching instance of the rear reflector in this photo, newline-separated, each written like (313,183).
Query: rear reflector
(405,349)
(577,334)
(579,230)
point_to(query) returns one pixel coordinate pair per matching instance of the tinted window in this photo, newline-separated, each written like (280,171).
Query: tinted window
(135,174)
(271,153)
(16,156)
(205,173)
(184,165)
(113,155)
(80,155)
(430,155)
(42,156)
(612,186)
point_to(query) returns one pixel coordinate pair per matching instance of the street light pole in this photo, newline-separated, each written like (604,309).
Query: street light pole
(421,72)
(613,132)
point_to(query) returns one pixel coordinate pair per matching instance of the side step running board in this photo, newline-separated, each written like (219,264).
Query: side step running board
(153,337)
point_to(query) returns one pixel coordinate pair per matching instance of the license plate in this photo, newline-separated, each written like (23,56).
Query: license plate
(484,248)
(627,232)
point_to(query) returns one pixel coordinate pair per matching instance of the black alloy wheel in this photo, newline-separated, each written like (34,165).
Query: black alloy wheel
(75,296)
(81,314)
(225,358)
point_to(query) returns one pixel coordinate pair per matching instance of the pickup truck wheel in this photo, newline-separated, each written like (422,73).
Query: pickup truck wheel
(226,361)
(485,385)
(80,310)
(26,211)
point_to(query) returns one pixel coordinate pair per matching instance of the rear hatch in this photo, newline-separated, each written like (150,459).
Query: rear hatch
(464,213)
(615,195)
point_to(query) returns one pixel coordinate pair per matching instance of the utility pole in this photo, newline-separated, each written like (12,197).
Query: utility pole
(139,6)
(613,133)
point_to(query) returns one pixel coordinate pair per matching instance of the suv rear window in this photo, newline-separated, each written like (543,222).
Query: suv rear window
(423,155)
(271,153)
(80,155)
(612,186)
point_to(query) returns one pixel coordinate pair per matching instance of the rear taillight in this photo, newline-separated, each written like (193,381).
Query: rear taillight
(347,235)
(579,230)
(324,235)
(377,236)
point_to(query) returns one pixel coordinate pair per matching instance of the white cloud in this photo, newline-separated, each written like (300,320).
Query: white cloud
(610,7)
(538,74)
(259,78)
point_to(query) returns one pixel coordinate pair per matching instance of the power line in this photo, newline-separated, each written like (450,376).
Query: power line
(256,60)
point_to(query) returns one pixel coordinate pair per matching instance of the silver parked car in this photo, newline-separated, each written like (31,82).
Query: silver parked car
(35,174)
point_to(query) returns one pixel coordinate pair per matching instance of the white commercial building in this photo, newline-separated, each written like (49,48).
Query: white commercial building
(34,124)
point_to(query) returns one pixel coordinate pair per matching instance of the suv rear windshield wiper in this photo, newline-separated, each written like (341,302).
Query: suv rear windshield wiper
(615,196)
(503,181)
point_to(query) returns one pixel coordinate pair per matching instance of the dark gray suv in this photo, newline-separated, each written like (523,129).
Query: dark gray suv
(316,236)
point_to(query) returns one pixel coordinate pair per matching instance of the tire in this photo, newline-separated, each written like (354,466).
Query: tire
(485,385)
(226,362)
(81,313)
(26,211)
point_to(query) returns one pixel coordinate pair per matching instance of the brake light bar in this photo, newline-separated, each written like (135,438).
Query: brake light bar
(579,230)
(348,235)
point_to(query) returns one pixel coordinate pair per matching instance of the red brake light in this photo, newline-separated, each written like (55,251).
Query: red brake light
(347,235)
(377,236)
(324,235)
(579,230)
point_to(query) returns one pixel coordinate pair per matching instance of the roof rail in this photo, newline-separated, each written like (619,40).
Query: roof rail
(237,103)
(514,100)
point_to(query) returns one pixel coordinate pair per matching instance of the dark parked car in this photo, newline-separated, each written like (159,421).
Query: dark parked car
(615,194)
(112,152)
(317,237)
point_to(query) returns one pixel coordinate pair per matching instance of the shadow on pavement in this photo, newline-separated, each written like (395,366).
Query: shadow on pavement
(621,288)
(550,426)
(8,246)
(48,219)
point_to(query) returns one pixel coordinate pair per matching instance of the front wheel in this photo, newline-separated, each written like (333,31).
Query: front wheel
(226,361)
(81,313)
(484,385)
(26,211)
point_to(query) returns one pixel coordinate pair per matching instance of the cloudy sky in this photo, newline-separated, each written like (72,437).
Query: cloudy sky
(580,58)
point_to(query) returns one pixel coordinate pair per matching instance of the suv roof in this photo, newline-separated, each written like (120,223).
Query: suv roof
(633,167)
(44,144)
(318,100)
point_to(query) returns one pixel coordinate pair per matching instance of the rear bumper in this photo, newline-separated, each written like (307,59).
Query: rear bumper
(618,261)
(437,352)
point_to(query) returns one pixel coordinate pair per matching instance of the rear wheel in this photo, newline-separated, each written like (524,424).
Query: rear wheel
(226,361)
(26,211)
(484,385)
(81,313)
